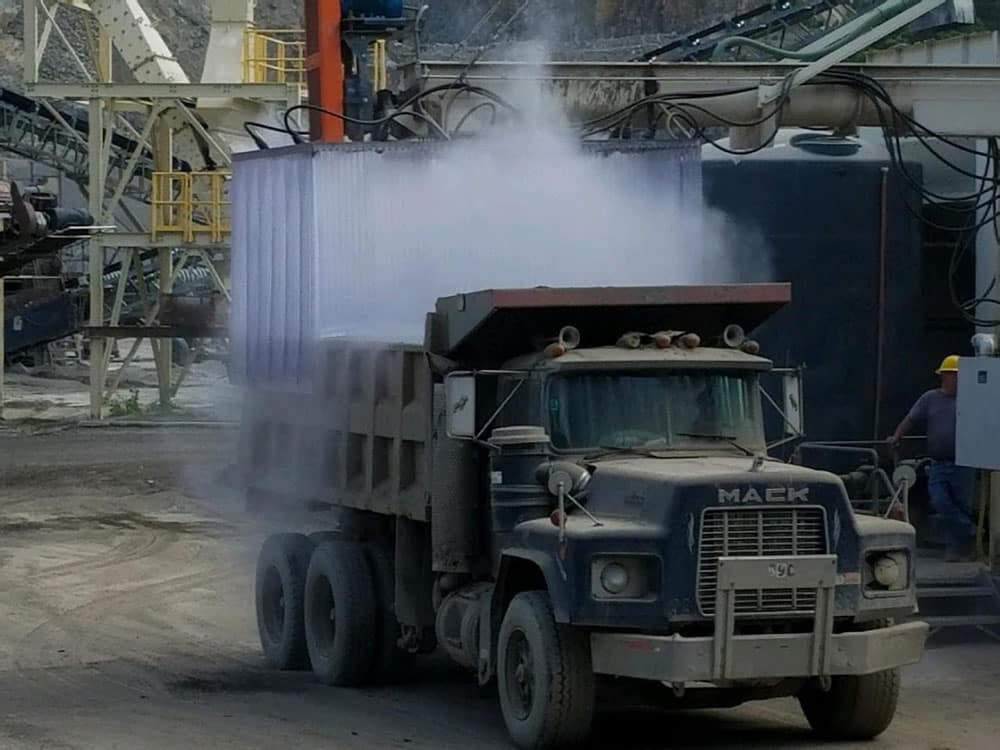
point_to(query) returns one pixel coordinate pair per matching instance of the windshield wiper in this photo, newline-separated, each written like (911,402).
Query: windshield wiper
(629,450)
(722,438)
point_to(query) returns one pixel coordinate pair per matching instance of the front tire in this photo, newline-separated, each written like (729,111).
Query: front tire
(340,614)
(856,707)
(544,676)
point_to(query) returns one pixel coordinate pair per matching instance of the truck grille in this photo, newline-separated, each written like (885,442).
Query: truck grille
(759,532)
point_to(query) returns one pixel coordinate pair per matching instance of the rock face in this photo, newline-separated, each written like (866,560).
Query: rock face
(451,20)
(184,24)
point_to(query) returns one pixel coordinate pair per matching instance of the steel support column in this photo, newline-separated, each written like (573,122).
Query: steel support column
(162,159)
(324,68)
(31,47)
(96,182)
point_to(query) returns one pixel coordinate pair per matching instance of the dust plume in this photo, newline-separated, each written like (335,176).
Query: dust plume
(520,204)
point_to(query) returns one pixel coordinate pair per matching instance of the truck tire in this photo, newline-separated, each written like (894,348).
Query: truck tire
(279,593)
(544,675)
(391,662)
(856,707)
(340,614)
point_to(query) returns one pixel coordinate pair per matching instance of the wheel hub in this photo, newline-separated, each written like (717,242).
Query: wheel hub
(520,675)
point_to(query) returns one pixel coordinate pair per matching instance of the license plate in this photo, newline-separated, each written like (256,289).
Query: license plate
(781,570)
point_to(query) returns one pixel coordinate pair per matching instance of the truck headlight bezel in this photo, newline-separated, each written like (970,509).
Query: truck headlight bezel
(623,578)
(886,572)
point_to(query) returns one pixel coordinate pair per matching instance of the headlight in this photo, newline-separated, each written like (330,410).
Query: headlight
(622,577)
(614,578)
(887,571)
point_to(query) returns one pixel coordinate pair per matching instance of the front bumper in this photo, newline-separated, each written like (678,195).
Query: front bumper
(727,656)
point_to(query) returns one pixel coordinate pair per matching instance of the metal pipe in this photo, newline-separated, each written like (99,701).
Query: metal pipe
(562,513)
(324,68)
(870,452)
(880,303)
(3,341)
(589,90)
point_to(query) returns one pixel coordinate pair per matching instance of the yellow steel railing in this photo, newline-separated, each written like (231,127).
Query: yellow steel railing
(279,56)
(274,56)
(191,204)
(380,65)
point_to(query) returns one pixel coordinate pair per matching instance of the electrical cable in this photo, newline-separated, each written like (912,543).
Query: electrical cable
(472,111)
(982,212)
(261,144)
(680,108)
(404,110)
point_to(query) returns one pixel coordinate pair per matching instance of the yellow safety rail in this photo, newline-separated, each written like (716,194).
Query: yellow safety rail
(274,56)
(380,65)
(192,204)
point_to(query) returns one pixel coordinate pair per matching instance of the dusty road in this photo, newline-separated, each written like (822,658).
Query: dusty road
(126,621)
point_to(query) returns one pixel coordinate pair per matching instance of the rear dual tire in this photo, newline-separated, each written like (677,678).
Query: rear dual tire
(340,614)
(328,602)
(280,586)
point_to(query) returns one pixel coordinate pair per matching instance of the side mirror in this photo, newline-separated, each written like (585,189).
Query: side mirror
(460,405)
(791,398)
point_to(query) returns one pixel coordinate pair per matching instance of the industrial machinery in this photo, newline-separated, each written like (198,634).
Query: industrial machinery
(567,490)
(38,308)
(33,226)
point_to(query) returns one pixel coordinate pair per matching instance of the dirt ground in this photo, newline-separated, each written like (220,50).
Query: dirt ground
(126,621)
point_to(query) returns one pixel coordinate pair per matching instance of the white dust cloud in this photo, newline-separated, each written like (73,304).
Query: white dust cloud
(522,204)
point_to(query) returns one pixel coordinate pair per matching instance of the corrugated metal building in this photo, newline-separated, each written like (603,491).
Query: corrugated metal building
(360,239)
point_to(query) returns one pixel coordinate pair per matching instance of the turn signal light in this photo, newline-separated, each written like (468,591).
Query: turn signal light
(690,340)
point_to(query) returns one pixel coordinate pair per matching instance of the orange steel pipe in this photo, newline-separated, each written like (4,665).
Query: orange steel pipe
(324,69)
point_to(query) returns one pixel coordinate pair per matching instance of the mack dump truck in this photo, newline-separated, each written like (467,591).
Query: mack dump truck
(568,491)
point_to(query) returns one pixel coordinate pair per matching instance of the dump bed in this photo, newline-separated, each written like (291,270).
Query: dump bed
(359,438)
(360,435)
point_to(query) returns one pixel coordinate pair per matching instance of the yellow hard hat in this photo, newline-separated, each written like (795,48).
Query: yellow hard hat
(948,364)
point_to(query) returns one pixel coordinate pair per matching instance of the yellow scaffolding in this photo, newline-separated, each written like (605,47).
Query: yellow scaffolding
(191,204)
(274,56)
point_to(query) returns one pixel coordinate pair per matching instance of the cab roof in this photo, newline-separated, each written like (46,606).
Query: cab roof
(616,356)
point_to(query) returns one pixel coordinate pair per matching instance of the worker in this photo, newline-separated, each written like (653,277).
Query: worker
(950,486)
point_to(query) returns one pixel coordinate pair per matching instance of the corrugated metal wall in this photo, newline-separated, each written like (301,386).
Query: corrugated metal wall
(394,226)
(273,320)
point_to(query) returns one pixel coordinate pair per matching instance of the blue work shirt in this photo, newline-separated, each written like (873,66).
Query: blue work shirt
(934,413)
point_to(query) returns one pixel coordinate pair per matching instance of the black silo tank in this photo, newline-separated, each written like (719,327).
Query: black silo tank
(833,218)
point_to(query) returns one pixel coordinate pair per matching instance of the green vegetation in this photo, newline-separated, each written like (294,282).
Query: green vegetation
(125,407)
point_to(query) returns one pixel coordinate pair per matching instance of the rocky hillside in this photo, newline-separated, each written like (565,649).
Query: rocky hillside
(577,26)
(184,24)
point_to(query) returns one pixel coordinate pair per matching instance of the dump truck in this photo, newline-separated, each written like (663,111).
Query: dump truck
(568,491)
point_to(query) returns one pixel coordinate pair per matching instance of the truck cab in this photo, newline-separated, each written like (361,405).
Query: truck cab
(602,517)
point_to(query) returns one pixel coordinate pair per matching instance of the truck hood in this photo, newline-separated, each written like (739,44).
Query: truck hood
(623,486)
(670,497)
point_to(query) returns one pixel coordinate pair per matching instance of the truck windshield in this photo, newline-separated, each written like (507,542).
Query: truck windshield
(656,410)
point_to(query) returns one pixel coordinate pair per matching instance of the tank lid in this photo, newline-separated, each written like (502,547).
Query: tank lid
(519,435)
